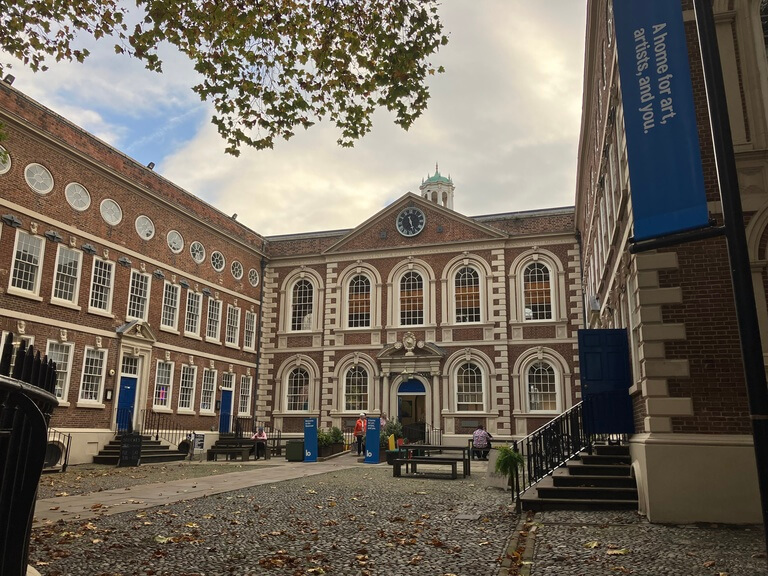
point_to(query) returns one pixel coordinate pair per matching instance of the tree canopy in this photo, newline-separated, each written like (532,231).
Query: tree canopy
(267,66)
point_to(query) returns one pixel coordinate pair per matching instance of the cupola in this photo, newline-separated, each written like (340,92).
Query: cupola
(438,189)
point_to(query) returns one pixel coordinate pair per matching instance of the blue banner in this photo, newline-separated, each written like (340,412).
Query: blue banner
(372,426)
(665,173)
(310,439)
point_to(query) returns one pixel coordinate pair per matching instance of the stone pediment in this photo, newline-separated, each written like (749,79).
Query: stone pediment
(411,348)
(442,225)
(138,330)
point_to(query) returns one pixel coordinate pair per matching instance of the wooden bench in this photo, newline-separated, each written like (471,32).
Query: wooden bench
(426,450)
(413,461)
(229,451)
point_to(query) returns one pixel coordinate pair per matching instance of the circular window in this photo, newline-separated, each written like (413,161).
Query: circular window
(175,241)
(237,270)
(5,160)
(197,251)
(145,228)
(77,196)
(217,261)
(253,277)
(39,178)
(111,211)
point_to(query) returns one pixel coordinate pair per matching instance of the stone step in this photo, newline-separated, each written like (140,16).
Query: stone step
(562,478)
(602,459)
(579,468)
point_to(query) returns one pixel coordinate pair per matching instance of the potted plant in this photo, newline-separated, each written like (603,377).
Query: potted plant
(508,461)
(324,448)
(337,440)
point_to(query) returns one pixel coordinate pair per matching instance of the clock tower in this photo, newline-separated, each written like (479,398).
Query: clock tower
(438,189)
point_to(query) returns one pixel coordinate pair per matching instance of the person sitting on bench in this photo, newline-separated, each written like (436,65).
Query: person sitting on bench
(481,443)
(260,437)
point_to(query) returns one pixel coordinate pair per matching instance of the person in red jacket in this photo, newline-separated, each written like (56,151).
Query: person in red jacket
(360,432)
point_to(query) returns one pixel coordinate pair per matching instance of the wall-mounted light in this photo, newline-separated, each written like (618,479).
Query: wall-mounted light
(111,371)
(9,78)
(151,165)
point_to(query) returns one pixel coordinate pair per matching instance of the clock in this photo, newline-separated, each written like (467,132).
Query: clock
(411,221)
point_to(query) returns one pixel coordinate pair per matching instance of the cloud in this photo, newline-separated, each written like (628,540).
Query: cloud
(503,121)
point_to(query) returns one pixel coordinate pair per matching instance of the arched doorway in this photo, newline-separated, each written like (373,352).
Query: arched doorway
(412,409)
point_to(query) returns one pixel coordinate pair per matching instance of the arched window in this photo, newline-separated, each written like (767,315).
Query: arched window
(359,302)
(356,389)
(469,388)
(467,285)
(537,292)
(301,305)
(542,387)
(298,390)
(411,299)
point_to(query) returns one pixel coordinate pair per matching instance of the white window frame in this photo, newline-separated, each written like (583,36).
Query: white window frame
(135,299)
(63,376)
(232,330)
(307,320)
(98,401)
(109,288)
(350,300)
(358,406)
(169,387)
(246,390)
(552,294)
(169,309)
(196,332)
(213,320)
(455,295)
(187,369)
(307,406)
(483,388)
(558,380)
(74,298)
(22,235)
(424,302)
(208,391)
(249,331)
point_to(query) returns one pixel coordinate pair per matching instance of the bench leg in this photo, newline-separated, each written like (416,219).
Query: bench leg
(396,470)
(453,471)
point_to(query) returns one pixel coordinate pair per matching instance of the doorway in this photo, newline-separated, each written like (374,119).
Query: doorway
(412,409)
(126,399)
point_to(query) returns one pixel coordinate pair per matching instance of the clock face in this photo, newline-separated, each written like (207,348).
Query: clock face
(411,221)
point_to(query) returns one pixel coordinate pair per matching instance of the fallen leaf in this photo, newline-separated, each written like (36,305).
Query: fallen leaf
(593,544)
(709,563)
(617,552)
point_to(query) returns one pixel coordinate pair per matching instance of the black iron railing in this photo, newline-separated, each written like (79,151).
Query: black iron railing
(422,433)
(552,445)
(162,426)
(26,405)
(57,451)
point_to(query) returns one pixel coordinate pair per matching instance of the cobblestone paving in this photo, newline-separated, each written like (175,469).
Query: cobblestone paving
(616,543)
(358,522)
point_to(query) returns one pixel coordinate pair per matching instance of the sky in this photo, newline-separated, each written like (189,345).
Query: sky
(502,122)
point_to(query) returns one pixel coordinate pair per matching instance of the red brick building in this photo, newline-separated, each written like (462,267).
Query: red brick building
(150,300)
(146,297)
(692,454)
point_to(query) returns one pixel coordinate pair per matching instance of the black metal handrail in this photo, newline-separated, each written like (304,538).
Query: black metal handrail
(163,426)
(552,445)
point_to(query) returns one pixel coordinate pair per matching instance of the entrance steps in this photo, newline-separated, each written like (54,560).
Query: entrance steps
(151,451)
(599,481)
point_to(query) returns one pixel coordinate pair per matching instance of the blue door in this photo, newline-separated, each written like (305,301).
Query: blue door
(605,381)
(126,401)
(225,416)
